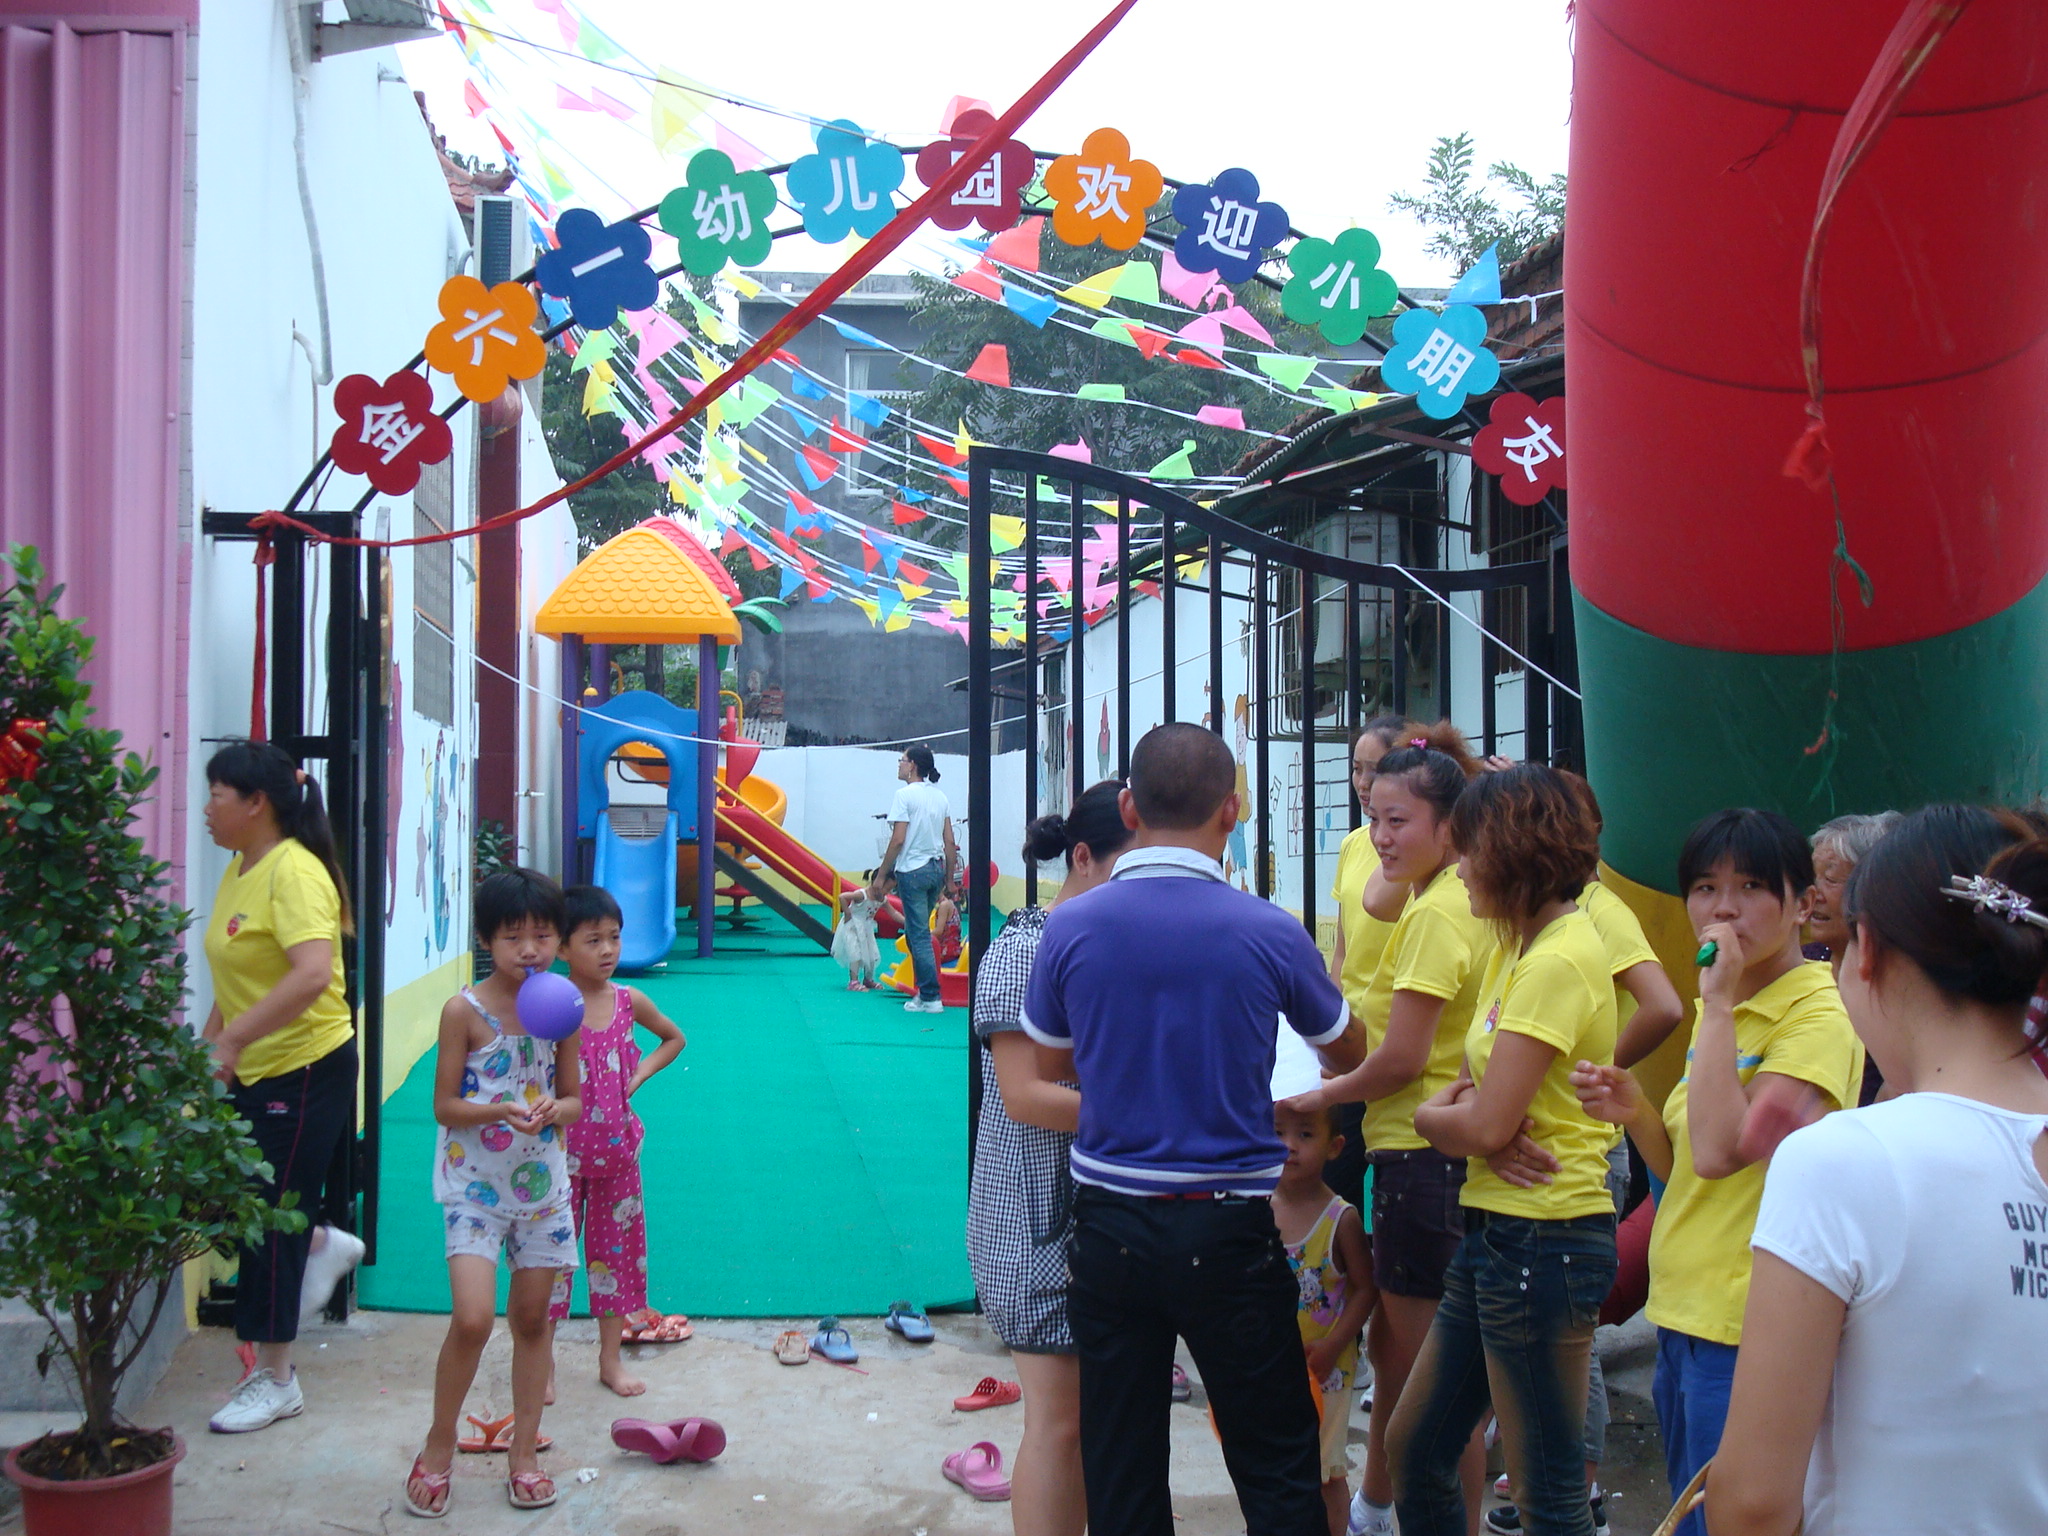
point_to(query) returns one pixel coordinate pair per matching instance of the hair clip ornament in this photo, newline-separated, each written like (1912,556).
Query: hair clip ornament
(1420,743)
(1988,895)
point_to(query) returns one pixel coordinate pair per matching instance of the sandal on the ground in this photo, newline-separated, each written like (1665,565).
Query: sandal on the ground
(648,1326)
(677,1440)
(524,1490)
(909,1321)
(436,1484)
(1182,1388)
(989,1393)
(496,1436)
(979,1470)
(792,1348)
(833,1342)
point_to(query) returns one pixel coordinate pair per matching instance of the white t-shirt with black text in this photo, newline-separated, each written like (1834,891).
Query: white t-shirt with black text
(1928,1217)
(923,806)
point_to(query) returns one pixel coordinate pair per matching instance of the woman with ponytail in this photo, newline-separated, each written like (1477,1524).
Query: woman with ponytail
(1020,1199)
(285,1039)
(1416,1009)
(1889,1378)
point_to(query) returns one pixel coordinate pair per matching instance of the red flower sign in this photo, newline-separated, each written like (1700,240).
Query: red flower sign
(1523,443)
(988,197)
(388,431)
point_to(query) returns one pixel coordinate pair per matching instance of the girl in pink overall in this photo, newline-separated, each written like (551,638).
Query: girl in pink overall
(604,1146)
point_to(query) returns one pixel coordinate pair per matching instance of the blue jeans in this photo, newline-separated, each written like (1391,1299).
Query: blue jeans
(1515,1327)
(1691,1394)
(919,891)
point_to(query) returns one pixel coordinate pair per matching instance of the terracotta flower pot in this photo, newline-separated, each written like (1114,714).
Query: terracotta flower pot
(133,1504)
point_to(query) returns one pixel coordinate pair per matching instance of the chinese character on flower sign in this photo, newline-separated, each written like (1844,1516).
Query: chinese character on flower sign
(719,215)
(990,195)
(1440,359)
(486,338)
(844,189)
(1225,229)
(599,268)
(1337,285)
(1103,193)
(1524,443)
(388,431)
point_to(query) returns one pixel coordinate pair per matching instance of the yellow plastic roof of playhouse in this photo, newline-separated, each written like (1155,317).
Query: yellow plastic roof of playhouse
(638,588)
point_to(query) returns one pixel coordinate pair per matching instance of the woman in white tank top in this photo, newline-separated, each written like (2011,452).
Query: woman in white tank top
(1890,1376)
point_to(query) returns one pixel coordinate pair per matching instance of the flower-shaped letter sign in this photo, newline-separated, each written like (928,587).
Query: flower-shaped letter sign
(388,431)
(1338,285)
(989,196)
(599,268)
(486,337)
(1441,358)
(1523,443)
(844,188)
(1225,229)
(1102,193)
(719,215)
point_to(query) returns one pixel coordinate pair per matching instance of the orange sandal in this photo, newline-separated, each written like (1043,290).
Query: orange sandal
(989,1393)
(648,1326)
(524,1490)
(436,1485)
(496,1436)
(792,1348)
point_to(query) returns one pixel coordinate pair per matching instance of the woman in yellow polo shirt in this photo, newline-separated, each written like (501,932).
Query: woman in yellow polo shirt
(1772,1050)
(285,1038)
(1416,1009)
(1521,1297)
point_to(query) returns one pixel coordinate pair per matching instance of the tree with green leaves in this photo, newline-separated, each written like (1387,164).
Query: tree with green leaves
(1466,216)
(121,1156)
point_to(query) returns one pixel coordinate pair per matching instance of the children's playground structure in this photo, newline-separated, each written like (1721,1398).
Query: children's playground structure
(655,584)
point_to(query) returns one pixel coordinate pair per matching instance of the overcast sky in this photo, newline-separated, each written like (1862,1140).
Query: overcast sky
(1333,104)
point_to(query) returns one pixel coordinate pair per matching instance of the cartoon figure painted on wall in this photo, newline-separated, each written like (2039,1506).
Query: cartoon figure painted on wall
(1103,756)
(1237,862)
(436,812)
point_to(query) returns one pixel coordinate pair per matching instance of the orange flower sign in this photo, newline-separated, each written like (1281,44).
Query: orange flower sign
(1102,193)
(486,337)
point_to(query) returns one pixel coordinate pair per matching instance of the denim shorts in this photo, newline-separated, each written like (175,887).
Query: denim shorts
(1417,1223)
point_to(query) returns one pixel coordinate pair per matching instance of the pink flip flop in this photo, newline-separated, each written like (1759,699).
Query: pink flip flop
(677,1440)
(979,1470)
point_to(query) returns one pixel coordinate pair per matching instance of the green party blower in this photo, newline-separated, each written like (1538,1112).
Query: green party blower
(1707,954)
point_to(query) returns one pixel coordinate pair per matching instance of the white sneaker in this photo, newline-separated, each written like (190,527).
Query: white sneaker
(922,1005)
(259,1402)
(1369,1519)
(342,1252)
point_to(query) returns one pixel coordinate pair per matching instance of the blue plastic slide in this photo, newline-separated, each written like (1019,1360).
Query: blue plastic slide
(638,866)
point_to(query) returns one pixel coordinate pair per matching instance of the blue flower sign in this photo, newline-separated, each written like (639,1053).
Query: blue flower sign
(1225,229)
(1440,359)
(844,189)
(599,268)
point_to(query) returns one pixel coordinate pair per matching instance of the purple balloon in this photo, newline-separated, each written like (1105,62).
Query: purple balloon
(550,1007)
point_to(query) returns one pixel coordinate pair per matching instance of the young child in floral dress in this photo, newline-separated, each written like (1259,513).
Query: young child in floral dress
(604,1146)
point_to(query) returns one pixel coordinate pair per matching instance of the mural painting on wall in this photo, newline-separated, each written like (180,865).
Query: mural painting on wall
(1104,757)
(439,819)
(1237,861)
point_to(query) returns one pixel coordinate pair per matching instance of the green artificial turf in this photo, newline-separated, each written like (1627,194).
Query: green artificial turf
(806,1155)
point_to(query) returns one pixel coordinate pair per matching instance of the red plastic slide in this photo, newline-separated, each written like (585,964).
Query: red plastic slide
(758,837)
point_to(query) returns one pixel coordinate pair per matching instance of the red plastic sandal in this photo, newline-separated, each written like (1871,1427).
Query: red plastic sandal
(989,1393)
(436,1486)
(979,1470)
(677,1440)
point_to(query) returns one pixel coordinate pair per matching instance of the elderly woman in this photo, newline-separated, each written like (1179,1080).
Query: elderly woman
(1838,847)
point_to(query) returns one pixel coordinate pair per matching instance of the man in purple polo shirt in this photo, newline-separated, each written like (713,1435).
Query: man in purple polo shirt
(1159,992)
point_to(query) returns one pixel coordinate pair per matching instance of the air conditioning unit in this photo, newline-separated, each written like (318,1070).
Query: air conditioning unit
(504,246)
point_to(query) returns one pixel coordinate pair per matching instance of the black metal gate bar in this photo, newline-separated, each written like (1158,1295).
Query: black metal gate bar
(1536,699)
(1489,667)
(980,751)
(1169,595)
(1399,691)
(1308,751)
(982,576)
(1123,637)
(1077,631)
(1216,636)
(1353,694)
(376,706)
(1262,724)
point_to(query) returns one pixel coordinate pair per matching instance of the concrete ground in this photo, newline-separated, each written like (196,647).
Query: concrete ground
(812,1448)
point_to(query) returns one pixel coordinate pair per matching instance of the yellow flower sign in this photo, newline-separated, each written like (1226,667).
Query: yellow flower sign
(486,337)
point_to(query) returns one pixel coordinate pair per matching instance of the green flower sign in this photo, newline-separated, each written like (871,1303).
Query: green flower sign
(719,214)
(1338,286)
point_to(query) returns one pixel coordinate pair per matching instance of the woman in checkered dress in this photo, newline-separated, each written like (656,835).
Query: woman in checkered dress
(1021,1197)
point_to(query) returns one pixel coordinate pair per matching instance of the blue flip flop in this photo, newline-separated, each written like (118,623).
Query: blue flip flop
(909,1321)
(832,1342)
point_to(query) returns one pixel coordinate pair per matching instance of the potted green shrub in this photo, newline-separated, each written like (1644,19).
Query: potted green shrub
(121,1158)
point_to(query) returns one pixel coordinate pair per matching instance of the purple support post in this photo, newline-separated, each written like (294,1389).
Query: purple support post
(601,671)
(572,730)
(707,791)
